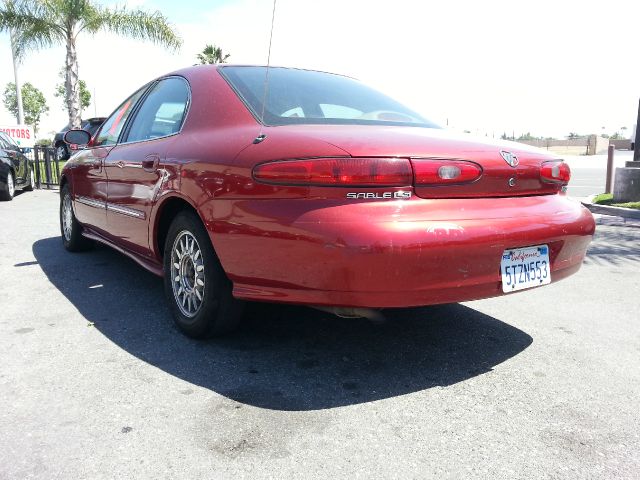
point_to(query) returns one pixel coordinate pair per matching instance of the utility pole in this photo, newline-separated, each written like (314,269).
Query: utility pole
(636,150)
(15,79)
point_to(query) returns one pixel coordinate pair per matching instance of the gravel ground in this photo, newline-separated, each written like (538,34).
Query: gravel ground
(95,382)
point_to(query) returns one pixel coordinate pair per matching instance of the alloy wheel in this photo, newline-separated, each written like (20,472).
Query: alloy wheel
(187,273)
(67,217)
(11,188)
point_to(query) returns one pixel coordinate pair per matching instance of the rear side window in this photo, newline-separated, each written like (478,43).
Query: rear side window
(112,126)
(309,97)
(162,112)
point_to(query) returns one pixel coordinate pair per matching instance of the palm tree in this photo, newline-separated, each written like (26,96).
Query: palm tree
(45,23)
(212,54)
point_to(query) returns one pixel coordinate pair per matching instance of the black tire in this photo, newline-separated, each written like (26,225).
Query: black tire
(32,181)
(217,312)
(73,240)
(9,190)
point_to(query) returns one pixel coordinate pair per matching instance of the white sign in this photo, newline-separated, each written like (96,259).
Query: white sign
(21,134)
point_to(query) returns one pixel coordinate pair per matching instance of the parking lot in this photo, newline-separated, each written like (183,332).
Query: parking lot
(95,381)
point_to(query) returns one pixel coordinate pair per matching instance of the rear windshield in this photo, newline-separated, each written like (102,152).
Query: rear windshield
(309,97)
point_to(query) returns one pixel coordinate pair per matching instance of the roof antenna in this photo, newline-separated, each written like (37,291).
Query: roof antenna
(262,136)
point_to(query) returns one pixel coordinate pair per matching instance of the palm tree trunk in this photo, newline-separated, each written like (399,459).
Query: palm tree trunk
(72,89)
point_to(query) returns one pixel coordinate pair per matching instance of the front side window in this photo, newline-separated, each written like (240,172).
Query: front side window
(162,112)
(309,97)
(113,125)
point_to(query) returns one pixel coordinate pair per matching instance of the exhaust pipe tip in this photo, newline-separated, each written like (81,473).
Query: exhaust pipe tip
(373,315)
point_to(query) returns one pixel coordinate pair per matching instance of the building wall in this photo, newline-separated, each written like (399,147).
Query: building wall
(621,144)
(591,145)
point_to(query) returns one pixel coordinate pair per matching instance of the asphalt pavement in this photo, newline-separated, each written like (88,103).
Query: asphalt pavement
(95,381)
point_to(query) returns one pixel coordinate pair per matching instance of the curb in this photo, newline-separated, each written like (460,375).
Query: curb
(610,210)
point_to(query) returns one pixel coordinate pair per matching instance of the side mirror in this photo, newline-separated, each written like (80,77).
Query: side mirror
(77,137)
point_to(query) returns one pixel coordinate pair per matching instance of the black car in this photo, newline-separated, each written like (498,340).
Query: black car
(63,151)
(16,171)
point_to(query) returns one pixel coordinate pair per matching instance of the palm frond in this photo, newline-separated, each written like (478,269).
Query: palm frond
(212,54)
(31,24)
(137,24)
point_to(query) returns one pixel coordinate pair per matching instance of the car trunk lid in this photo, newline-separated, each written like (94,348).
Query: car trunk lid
(507,168)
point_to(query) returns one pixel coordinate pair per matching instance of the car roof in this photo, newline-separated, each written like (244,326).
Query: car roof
(201,69)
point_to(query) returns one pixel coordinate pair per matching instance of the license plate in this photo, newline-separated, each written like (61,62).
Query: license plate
(525,268)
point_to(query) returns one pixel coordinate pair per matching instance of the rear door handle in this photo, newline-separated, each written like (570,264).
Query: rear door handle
(150,163)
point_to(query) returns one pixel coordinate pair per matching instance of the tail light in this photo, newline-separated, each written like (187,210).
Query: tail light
(445,172)
(555,172)
(365,172)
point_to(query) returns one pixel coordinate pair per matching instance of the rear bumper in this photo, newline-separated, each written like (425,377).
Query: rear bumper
(391,254)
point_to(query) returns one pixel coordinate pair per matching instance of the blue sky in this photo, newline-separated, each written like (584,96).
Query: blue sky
(180,11)
(545,67)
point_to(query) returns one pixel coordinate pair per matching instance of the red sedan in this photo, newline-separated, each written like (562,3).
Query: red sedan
(285,185)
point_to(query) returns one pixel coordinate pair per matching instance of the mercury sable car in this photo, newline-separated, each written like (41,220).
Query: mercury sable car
(312,188)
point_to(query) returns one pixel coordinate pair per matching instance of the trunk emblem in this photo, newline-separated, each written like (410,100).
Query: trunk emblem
(510,158)
(512,182)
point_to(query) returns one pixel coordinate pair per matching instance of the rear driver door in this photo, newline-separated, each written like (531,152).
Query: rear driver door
(134,168)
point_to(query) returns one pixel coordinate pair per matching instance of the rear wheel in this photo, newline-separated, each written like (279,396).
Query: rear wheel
(70,229)
(9,189)
(198,291)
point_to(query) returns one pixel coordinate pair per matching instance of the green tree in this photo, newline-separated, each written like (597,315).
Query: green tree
(33,102)
(85,94)
(212,54)
(527,136)
(45,23)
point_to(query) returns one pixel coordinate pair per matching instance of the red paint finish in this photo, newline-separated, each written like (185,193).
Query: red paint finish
(403,253)
(90,182)
(135,179)
(291,241)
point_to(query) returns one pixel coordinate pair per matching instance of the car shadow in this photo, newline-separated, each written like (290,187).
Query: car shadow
(283,357)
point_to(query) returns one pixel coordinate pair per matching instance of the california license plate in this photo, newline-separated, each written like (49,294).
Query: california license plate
(525,268)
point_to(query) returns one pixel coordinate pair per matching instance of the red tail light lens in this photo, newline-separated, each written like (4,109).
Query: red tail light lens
(555,172)
(365,172)
(445,172)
